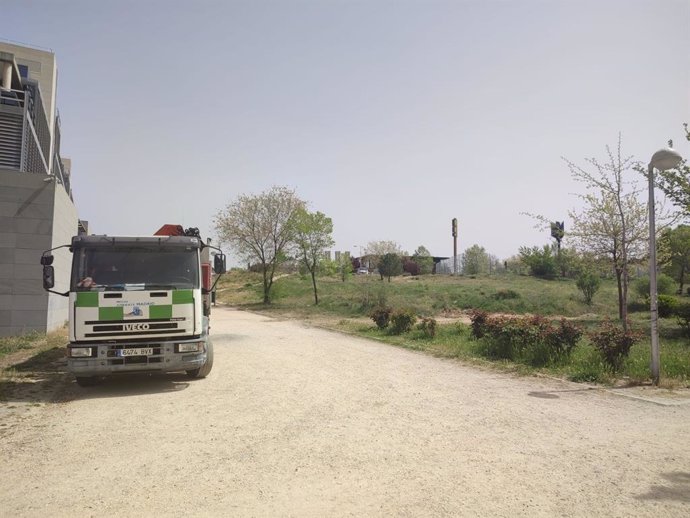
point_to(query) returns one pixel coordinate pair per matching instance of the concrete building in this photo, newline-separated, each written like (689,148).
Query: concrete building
(36,207)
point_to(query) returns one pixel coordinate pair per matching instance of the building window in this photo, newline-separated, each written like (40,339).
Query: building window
(23,71)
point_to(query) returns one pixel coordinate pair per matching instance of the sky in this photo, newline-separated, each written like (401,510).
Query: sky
(391,117)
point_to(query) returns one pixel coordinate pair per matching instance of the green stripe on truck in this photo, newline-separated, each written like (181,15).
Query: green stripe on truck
(164,311)
(87,299)
(110,314)
(182,297)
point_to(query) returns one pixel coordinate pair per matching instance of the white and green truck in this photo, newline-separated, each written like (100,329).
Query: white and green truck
(139,304)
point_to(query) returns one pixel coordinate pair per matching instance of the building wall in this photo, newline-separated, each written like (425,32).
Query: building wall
(65,225)
(34,214)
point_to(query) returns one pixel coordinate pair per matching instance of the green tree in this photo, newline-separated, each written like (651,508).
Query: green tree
(260,228)
(675,253)
(474,261)
(312,238)
(390,265)
(424,260)
(541,261)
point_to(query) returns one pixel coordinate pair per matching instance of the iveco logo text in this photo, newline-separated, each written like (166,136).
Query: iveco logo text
(135,327)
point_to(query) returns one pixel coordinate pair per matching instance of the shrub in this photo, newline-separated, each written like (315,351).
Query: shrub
(613,343)
(534,339)
(588,283)
(381,316)
(682,312)
(665,285)
(666,306)
(541,261)
(411,267)
(402,321)
(428,327)
(506,295)
(478,322)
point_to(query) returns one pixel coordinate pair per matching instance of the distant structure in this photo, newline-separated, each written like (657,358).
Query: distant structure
(37,211)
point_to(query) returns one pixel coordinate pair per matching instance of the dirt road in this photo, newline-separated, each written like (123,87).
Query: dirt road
(297,421)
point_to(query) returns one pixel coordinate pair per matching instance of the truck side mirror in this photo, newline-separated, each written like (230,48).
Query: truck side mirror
(219,263)
(48,277)
(47,259)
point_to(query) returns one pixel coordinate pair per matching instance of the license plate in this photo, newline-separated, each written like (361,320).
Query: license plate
(141,351)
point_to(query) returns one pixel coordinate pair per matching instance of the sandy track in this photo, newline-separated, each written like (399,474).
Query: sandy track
(297,421)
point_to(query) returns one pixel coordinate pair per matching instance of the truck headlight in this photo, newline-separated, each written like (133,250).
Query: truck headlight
(80,352)
(190,348)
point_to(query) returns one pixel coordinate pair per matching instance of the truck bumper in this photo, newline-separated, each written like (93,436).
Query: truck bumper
(107,358)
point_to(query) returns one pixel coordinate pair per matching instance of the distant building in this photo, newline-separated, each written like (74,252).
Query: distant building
(37,211)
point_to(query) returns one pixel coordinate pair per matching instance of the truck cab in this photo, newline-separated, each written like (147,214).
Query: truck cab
(138,304)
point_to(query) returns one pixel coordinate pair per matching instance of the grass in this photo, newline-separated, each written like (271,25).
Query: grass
(345,306)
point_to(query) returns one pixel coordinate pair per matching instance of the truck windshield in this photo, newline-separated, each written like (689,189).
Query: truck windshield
(134,268)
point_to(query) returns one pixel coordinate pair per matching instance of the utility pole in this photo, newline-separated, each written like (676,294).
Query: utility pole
(455,246)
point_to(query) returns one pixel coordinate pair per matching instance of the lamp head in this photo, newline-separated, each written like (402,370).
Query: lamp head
(665,159)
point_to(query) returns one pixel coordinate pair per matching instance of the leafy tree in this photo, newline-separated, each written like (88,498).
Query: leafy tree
(390,265)
(613,222)
(474,260)
(312,238)
(541,261)
(260,228)
(425,262)
(675,246)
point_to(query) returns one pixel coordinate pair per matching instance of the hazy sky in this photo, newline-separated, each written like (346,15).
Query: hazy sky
(392,117)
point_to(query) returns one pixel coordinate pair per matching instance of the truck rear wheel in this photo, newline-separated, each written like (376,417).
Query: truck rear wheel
(88,381)
(205,369)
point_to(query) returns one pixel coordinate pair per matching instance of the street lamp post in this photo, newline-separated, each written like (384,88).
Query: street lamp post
(662,160)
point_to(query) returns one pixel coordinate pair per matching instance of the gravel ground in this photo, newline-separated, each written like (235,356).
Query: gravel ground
(298,421)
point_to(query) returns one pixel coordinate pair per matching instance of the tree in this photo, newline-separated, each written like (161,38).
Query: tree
(675,253)
(260,228)
(613,222)
(541,261)
(312,238)
(425,263)
(389,266)
(474,260)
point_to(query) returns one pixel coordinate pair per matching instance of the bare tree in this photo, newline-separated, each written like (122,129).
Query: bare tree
(260,228)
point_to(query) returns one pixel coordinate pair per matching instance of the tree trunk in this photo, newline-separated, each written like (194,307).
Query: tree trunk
(313,281)
(619,275)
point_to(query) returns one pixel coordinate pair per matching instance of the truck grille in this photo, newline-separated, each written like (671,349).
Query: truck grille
(127,328)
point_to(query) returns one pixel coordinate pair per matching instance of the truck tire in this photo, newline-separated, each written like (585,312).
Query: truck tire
(88,381)
(205,369)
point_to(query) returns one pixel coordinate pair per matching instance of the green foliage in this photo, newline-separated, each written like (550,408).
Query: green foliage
(675,253)
(402,321)
(506,294)
(614,343)
(541,261)
(665,285)
(424,260)
(667,306)
(474,261)
(588,283)
(682,312)
(428,327)
(533,339)
(381,316)
(390,265)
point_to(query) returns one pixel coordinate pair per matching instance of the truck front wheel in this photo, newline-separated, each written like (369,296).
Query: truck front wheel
(205,369)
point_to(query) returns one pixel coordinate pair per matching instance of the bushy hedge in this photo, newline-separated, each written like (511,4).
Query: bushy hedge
(428,327)
(614,343)
(402,321)
(381,316)
(533,339)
